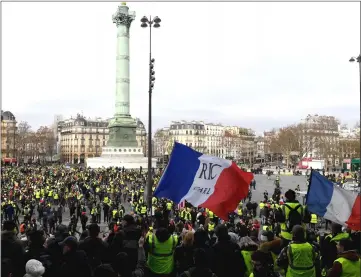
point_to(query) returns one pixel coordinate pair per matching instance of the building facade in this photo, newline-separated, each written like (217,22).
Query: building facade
(229,142)
(321,138)
(349,143)
(190,133)
(82,138)
(8,136)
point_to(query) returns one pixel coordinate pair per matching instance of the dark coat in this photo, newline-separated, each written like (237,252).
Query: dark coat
(226,258)
(132,235)
(96,250)
(12,248)
(75,264)
(183,257)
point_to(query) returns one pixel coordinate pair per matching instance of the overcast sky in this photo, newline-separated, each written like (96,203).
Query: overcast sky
(258,65)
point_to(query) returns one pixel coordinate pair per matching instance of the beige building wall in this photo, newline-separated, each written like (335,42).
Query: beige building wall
(82,138)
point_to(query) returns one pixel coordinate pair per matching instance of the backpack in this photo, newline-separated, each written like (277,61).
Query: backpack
(294,217)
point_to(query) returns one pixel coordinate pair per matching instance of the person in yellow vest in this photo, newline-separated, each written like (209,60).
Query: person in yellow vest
(143,210)
(329,246)
(38,195)
(211,226)
(261,266)
(289,215)
(261,207)
(240,212)
(161,246)
(271,245)
(348,262)
(149,233)
(169,206)
(93,214)
(299,258)
(154,201)
(115,215)
(56,198)
(210,215)
(106,200)
(187,215)
(50,195)
(313,221)
(247,248)
(182,214)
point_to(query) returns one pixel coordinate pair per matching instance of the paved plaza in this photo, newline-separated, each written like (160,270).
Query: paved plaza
(262,184)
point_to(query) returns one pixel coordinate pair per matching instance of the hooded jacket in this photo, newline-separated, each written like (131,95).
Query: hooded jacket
(336,270)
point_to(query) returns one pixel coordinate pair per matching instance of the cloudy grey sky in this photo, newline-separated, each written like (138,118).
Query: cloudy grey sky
(258,65)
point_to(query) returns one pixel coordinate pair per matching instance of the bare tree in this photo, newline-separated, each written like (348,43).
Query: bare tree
(22,139)
(285,142)
(229,143)
(348,148)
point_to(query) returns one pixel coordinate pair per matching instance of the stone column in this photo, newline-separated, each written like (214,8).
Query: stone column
(123,19)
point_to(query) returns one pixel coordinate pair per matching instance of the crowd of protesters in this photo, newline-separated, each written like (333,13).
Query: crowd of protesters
(59,221)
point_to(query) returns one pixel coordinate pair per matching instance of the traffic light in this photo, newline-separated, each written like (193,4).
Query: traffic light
(151,74)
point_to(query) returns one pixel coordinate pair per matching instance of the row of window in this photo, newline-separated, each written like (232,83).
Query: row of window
(120,150)
(187,126)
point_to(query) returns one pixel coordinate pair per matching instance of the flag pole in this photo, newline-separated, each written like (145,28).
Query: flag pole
(309,186)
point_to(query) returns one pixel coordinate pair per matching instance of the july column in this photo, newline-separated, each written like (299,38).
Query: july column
(123,19)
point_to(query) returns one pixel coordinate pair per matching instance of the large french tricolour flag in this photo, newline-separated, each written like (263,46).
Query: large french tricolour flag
(202,180)
(333,203)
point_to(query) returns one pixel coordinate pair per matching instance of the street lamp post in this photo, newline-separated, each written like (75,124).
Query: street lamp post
(151,23)
(357,59)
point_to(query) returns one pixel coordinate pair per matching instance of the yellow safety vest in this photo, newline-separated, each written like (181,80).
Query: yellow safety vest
(149,233)
(211,215)
(114,213)
(261,206)
(187,216)
(301,260)
(313,218)
(339,237)
(182,214)
(56,196)
(211,226)
(143,210)
(248,261)
(50,194)
(349,268)
(169,206)
(284,232)
(37,195)
(239,212)
(154,200)
(276,267)
(160,256)
(121,213)
(94,211)
(266,228)
(106,199)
